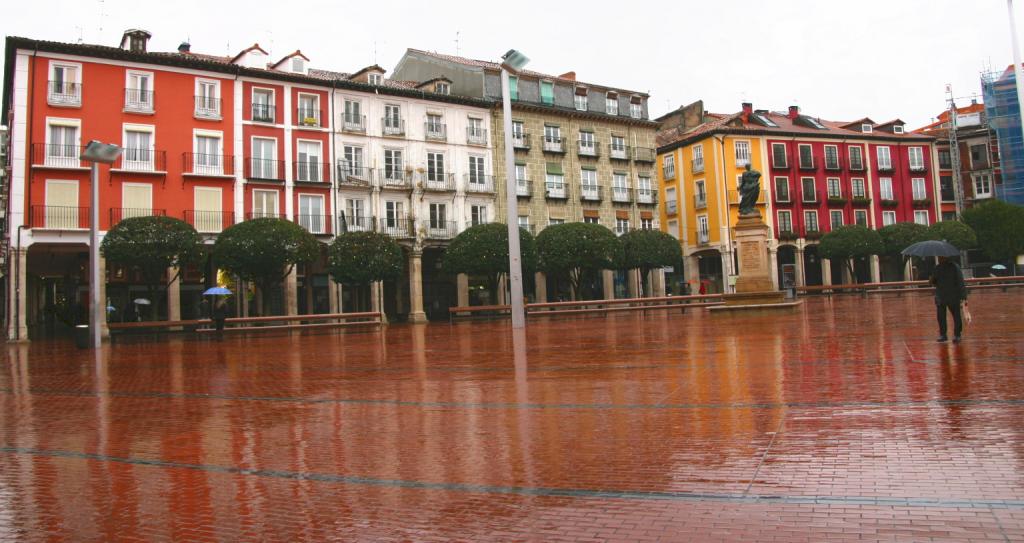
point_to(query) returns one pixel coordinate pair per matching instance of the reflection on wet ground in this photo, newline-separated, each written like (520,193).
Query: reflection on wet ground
(844,420)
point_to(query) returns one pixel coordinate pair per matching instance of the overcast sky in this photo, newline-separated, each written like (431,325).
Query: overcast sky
(839,60)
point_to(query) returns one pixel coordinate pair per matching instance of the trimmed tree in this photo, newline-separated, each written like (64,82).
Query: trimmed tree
(849,242)
(649,249)
(264,251)
(999,227)
(899,236)
(483,250)
(361,258)
(151,245)
(955,233)
(575,251)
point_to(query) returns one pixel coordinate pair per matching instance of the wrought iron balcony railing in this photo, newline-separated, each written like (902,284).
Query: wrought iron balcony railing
(264,113)
(206,164)
(138,100)
(64,93)
(263,169)
(209,222)
(59,217)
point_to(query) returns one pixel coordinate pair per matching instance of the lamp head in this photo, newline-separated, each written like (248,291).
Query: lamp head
(514,61)
(105,153)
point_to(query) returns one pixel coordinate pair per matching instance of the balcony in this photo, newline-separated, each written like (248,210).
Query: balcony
(392,126)
(311,171)
(703,237)
(479,183)
(644,154)
(59,217)
(439,182)
(697,165)
(646,196)
(319,225)
(51,155)
(836,199)
(64,93)
(700,201)
(590,193)
(810,197)
(857,164)
(921,202)
(262,169)
(742,162)
(142,161)
(118,214)
(207,107)
(262,215)
(588,149)
(205,164)
(209,222)
(621,195)
(308,117)
(358,223)
(524,188)
(669,172)
(555,191)
(435,131)
(264,113)
(812,232)
(807,163)
(441,229)
(917,167)
(670,207)
(554,145)
(832,164)
(531,228)
(884,166)
(478,136)
(620,152)
(521,141)
(390,178)
(352,123)
(138,101)
(889,202)
(354,176)
(861,200)
(396,228)
(787,234)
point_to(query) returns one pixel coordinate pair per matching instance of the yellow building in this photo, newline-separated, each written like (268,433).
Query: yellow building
(701,157)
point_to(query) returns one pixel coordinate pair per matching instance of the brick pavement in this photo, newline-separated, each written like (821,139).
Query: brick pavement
(844,421)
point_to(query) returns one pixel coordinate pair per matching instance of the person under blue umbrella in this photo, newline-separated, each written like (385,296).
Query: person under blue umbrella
(220,308)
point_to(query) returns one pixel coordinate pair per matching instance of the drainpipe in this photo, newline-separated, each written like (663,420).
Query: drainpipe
(17,288)
(728,216)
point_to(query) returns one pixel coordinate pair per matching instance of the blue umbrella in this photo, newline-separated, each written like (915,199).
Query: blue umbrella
(217,291)
(931,248)
(998,267)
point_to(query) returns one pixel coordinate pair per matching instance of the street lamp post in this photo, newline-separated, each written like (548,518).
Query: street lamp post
(513,61)
(96,153)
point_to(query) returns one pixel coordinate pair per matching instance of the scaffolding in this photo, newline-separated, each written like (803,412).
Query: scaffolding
(1003,111)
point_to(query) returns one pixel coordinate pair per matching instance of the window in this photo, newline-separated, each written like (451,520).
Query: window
(518,131)
(207,216)
(979,157)
(611,104)
(808,189)
(742,149)
(884,158)
(524,222)
(442,88)
(948,216)
(62,144)
(65,87)
(207,98)
(552,138)
(522,178)
(885,187)
(207,158)
(309,110)
(588,184)
(263,164)
(139,91)
(513,87)
(477,214)
(835,218)
(353,161)
(353,116)
(580,101)
(646,223)
(858,188)
(945,159)
(435,167)
(263,105)
(811,221)
(298,65)
(888,218)
(916,159)
(946,188)
(264,204)
(781,189)
(806,157)
(308,164)
(621,226)
(375,79)
(553,221)
(668,166)
(393,165)
(921,217)
(982,185)
(136,200)
(831,157)
(645,190)
(897,129)
(587,144)
(703,232)
(393,213)
(311,213)
(698,158)
(917,184)
(555,181)
(866,128)
(860,217)
(435,126)
(700,195)
(393,119)
(835,189)
(354,214)
(62,206)
(438,216)
(673,228)
(476,171)
(138,149)
(618,147)
(478,134)
(670,200)
(620,187)
(779,155)
(856,158)
(785,221)
(636,110)
(547,92)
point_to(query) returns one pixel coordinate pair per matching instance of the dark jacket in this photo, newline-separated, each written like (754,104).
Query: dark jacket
(949,284)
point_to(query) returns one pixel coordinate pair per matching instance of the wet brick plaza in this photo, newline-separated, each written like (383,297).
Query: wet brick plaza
(843,421)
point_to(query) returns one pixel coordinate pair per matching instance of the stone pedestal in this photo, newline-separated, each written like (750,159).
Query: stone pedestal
(754,286)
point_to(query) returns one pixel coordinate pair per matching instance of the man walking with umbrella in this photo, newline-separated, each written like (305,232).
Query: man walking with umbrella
(950,291)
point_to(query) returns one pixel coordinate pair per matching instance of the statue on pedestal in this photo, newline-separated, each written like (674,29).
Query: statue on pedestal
(750,190)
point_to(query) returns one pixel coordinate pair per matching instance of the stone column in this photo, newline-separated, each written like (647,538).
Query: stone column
(658,282)
(773,261)
(876,269)
(908,270)
(333,293)
(416,313)
(608,281)
(726,271)
(540,287)
(826,271)
(632,284)
(502,295)
(462,286)
(800,280)
(691,271)
(309,293)
(16,307)
(104,329)
(291,293)
(174,296)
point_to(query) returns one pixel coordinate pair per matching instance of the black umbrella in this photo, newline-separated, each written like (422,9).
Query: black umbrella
(931,248)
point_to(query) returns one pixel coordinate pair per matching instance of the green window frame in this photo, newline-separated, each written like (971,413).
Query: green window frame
(513,87)
(547,92)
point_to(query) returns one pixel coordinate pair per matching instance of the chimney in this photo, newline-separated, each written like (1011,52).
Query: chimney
(135,40)
(748,108)
(568,75)
(794,112)
(185,47)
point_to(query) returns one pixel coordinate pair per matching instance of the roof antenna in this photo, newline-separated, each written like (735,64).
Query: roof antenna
(102,15)
(79,29)
(458,49)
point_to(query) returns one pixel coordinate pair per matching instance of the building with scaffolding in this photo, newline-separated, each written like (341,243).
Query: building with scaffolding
(1003,111)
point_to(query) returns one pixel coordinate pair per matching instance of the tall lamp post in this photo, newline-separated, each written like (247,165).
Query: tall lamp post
(513,61)
(96,153)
